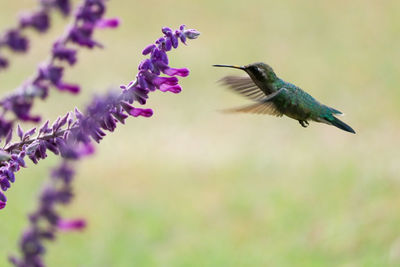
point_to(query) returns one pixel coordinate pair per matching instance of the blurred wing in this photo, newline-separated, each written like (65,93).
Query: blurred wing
(244,86)
(258,108)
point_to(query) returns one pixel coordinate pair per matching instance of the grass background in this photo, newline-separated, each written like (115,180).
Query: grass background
(194,187)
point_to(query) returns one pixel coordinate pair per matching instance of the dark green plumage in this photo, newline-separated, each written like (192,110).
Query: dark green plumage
(276,97)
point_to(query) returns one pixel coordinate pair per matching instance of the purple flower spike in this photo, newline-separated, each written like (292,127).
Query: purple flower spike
(150,69)
(72,136)
(39,20)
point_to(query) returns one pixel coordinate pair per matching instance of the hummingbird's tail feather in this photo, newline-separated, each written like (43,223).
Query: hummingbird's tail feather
(334,111)
(340,124)
(258,108)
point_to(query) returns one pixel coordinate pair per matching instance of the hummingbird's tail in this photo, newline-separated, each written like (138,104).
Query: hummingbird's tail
(338,123)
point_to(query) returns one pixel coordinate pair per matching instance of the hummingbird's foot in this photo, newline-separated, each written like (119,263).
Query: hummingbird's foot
(304,123)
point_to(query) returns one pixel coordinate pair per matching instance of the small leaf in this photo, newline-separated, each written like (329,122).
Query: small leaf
(20,132)
(45,128)
(55,125)
(29,133)
(9,137)
(63,121)
(78,114)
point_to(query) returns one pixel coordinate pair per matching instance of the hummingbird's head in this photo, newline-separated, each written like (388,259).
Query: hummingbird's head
(260,71)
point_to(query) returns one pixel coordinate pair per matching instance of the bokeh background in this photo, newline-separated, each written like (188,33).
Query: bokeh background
(195,187)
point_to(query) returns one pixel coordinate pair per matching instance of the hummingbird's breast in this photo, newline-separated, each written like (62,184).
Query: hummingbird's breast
(296,104)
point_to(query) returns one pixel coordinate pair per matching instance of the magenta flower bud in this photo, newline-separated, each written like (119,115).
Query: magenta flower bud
(108,23)
(141,112)
(72,88)
(183,72)
(135,112)
(148,49)
(170,88)
(71,225)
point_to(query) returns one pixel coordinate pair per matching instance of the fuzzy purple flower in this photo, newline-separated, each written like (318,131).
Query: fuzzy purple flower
(50,74)
(15,41)
(45,221)
(71,136)
(63,53)
(39,20)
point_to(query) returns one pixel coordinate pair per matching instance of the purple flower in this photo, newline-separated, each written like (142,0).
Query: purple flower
(72,136)
(92,11)
(83,36)
(16,41)
(135,112)
(3,199)
(63,5)
(45,221)
(5,126)
(39,21)
(148,49)
(3,63)
(21,107)
(63,53)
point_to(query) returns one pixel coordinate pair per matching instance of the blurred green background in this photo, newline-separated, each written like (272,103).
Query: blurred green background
(194,187)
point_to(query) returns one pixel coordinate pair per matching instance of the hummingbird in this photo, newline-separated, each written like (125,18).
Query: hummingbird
(274,96)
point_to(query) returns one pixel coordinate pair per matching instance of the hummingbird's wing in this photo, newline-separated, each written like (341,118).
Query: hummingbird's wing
(244,86)
(265,107)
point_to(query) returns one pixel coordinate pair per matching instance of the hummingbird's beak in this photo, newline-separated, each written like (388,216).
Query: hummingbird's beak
(230,66)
